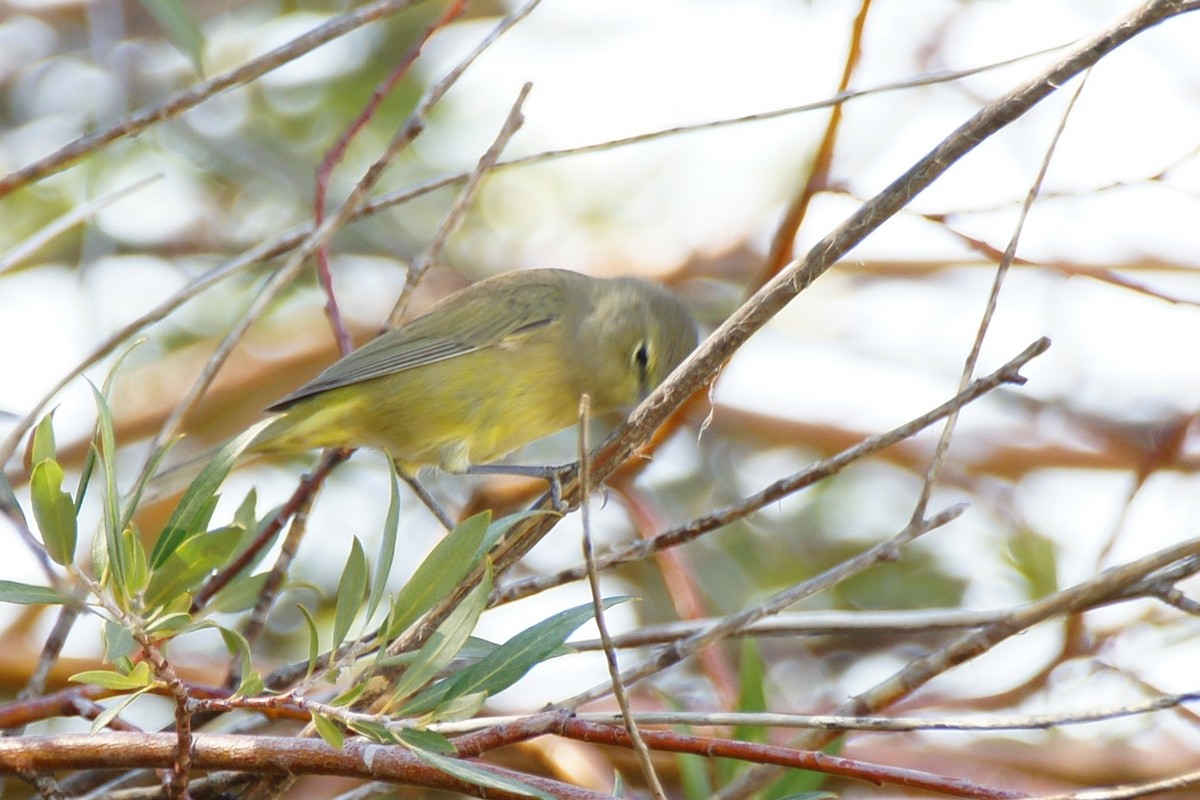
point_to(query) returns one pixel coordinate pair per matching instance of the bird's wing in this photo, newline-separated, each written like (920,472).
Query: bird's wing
(470,321)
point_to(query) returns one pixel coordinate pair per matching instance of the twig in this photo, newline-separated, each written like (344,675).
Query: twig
(1009,373)
(51,230)
(943,445)
(299,498)
(1093,592)
(338,151)
(699,368)
(734,623)
(189,98)
(256,623)
(610,654)
(764,754)
(466,196)
(323,232)
(897,724)
(1185,781)
(289,240)
(268,755)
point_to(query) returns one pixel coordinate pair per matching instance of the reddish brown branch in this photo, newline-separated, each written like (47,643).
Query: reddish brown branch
(816,761)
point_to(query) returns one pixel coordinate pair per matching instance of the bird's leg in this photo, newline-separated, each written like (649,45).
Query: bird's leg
(551,475)
(425,497)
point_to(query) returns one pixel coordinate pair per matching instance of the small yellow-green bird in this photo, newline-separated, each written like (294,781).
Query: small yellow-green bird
(489,369)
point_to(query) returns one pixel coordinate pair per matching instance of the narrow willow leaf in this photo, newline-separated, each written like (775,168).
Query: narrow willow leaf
(426,740)
(238,646)
(240,594)
(54,511)
(27,594)
(195,508)
(136,571)
(135,496)
(314,642)
(509,662)
(245,517)
(387,545)
(445,643)
(8,502)
(465,706)
(252,684)
(118,641)
(441,572)
(173,17)
(478,775)
(139,677)
(351,589)
(329,730)
(350,695)
(373,731)
(752,691)
(42,447)
(109,714)
(192,562)
(170,624)
(105,448)
(501,527)
(105,444)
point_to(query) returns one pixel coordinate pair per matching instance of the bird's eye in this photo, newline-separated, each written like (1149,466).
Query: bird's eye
(641,357)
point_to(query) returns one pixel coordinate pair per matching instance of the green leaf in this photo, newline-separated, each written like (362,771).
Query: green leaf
(195,508)
(251,683)
(351,590)
(43,447)
(478,775)
(1035,558)
(135,496)
(349,696)
(465,706)
(118,641)
(751,699)
(441,572)
(105,448)
(387,545)
(373,731)
(445,643)
(501,526)
(104,443)
(170,624)
(54,511)
(426,740)
(191,563)
(135,561)
(509,662)
(8,502)
(329,730)
(173,17)
(27,594)
(314,642)
(109,714)
(245,516)
(240,594)
(138,678)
